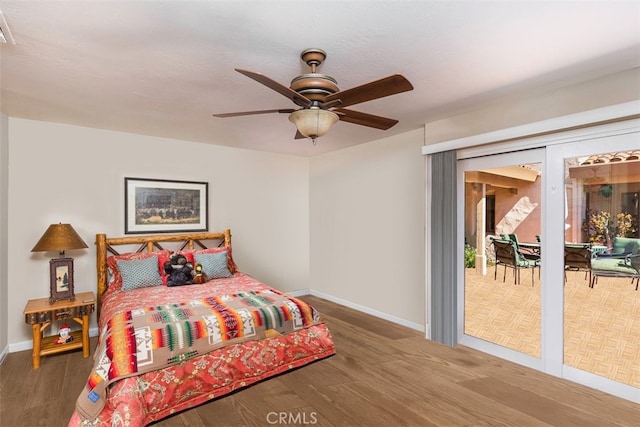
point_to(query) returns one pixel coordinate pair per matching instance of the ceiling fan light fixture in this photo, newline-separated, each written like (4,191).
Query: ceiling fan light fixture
(313,122)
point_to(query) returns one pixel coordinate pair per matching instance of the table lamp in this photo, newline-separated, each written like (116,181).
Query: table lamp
(60,237)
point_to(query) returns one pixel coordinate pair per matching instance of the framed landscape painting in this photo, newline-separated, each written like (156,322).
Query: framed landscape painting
(61,279)
(163,206)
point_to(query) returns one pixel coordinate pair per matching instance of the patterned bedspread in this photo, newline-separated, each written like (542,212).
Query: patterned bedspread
(149,333)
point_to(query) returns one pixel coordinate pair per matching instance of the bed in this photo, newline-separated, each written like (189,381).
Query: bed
(164,349)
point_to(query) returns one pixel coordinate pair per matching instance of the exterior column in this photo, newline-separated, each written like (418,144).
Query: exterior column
(481,230)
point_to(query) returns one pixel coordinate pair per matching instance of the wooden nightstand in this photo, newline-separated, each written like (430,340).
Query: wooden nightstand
(39,313)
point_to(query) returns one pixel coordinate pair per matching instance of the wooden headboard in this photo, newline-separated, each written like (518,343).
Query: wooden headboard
(105,246)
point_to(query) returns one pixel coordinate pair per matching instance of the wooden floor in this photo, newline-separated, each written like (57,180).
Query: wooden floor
(382,375)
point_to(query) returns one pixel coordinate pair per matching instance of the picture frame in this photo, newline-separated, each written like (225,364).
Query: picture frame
(61,270)
(165,206)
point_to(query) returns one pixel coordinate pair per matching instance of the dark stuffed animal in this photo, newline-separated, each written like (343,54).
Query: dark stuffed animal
(179,271)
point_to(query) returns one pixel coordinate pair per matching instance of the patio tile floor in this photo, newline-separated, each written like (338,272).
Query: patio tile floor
(602,325)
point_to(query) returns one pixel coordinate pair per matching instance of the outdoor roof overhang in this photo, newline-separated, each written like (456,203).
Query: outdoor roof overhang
(607,173)
(506,177)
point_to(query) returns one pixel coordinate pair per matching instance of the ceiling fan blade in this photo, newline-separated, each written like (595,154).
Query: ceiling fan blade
(250,113)
(364,119)
(301,100)
(367,92)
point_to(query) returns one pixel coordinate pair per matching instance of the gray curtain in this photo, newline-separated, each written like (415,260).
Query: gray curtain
(443,248)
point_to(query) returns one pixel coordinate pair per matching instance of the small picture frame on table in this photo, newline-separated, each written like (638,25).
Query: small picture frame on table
(61,279)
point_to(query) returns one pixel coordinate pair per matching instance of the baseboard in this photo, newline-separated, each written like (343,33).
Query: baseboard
(368,310)
(20,346)
(93,332)
(28,345)
(358,307)
(300,292)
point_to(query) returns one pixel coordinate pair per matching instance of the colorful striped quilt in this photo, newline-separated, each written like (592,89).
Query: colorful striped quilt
(146,339)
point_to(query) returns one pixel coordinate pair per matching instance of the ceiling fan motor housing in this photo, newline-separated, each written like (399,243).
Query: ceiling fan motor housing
(315,87)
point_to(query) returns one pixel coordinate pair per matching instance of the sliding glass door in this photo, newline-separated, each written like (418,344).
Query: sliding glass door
(549,258)
(601,296)
(500,307)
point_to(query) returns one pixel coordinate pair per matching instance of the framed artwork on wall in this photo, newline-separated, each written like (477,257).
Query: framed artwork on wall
(163,206)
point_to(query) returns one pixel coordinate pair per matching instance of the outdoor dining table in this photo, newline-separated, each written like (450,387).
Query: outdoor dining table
(530,249)
(530,245)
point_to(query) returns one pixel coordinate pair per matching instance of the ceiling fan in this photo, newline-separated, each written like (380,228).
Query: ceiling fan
(322,103)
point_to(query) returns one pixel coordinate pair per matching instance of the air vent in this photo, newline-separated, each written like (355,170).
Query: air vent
(5,32)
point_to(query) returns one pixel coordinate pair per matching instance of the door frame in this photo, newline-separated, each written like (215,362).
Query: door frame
(619,136)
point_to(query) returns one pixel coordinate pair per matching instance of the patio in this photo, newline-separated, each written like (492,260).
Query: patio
(601,324)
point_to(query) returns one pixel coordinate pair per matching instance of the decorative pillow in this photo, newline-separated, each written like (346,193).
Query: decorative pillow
(139,273)
(214,265)
(115,278)
(231,265)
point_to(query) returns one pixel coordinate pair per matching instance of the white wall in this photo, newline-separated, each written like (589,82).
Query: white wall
(367,227)
(4,189)
(62,173)
(534,106)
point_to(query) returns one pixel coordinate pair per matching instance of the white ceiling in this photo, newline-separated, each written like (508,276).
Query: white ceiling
(163,68)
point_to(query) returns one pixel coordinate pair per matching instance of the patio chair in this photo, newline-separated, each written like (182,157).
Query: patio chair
(577,257)
(507,254)
(527,252)
(608,265)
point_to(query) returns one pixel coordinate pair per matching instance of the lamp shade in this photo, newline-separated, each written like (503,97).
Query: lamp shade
(59,237)
(313,122)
